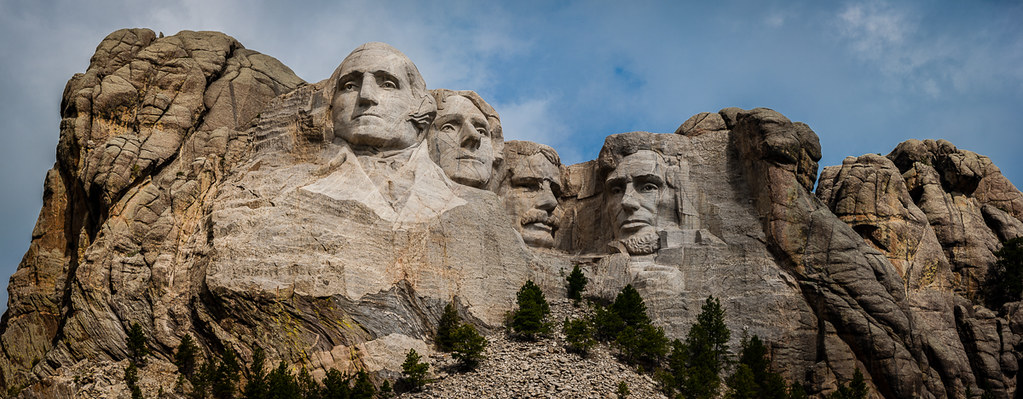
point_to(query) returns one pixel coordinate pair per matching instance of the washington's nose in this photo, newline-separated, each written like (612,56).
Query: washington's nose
(547,200)
(470,137)
(368,91)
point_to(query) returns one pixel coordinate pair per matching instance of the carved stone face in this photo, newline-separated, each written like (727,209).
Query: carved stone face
(635,195)
(531,198)
(374,101)
(461,142)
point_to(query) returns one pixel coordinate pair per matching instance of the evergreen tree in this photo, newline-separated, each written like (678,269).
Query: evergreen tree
(578,336)
(137,348)
(413,372)
(363,388)
(1005,277)
(131,379)
(336,385)
(606,324)
(185,356)
(695,372)
(623,390)
(530,319)
(765,383)
(629,307)
(281,383)
(256,387)
(449,321)
(385,390)
(576,284)
(856,389)
(468,347)
(307,386)
(644,345)
(225,375)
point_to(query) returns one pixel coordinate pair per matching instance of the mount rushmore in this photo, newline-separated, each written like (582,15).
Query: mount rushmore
(202,188)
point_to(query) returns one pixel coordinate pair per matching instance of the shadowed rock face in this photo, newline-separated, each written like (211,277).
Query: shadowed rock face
(203,189)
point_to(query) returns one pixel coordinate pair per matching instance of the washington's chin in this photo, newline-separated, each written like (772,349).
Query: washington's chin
(374,132)
(538,235)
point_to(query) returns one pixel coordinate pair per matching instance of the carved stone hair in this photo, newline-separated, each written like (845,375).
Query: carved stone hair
(516,149)
(427,109)
(496,133)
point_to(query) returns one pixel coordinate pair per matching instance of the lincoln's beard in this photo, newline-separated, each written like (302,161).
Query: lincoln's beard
(642,243)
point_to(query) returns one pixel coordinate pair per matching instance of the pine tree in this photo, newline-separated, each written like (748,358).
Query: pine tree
(1005,277)
(530,319)
(225,375)
(131,379)
(644,345)
(281,383)
(385,390)
(413,372)
(307,386)
(363,388)
(576,284)
(256,387)
(606,324)
(857,388)
(336,385)
(449,321)
(629,307)
(765,383)
(623,390)
(185,356)
(695,372)
(137,348)
(578,336)
(468,347)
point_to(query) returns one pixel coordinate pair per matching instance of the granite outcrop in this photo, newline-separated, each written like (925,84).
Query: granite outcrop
(202,188)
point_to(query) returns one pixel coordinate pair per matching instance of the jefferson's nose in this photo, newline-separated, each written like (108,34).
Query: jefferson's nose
(368,91)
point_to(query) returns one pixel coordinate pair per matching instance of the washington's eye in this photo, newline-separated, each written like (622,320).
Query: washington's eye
(482,131)
(349,86)
(389,84)
(447,127)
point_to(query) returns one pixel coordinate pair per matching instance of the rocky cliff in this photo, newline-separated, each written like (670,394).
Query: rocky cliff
(202,188)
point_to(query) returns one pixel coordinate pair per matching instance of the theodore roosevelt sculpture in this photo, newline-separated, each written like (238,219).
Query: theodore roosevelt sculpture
(465,138)
(530,190)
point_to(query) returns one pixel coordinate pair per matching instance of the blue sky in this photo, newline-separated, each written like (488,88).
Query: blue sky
(865,75)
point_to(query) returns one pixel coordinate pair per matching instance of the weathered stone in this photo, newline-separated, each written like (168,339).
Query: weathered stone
(203,189)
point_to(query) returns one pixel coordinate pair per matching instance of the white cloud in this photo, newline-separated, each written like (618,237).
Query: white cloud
(535,120)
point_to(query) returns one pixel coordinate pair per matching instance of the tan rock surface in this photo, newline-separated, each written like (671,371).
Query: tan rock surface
(201,188)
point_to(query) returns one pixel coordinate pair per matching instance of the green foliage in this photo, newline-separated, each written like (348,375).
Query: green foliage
(530,319)
(856,389)
(256,387)
(695,364)
(468,346)
(1005,277)
(623,390)
(281,384)
(413,372)
(753,377)
(185,356)
(131,379)
(576,284)
(137,348)
(363,388)
(644,345)
(216,379)
(606,324)
(629,307)
(448,323)
(578,335)
(336,385)
(307,386)
(385,390)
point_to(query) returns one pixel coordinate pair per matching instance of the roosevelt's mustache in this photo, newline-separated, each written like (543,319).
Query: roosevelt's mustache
(538,216)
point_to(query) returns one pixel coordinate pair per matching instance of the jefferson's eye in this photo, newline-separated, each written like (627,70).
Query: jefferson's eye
(348,86)
(389,84)
(447,127)
(482,132)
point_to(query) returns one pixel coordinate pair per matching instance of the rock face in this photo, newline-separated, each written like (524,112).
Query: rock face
(203,189)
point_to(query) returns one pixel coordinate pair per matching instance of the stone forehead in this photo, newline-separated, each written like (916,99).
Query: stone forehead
(536,166)
(641,162)
(517,149)
(383,54)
